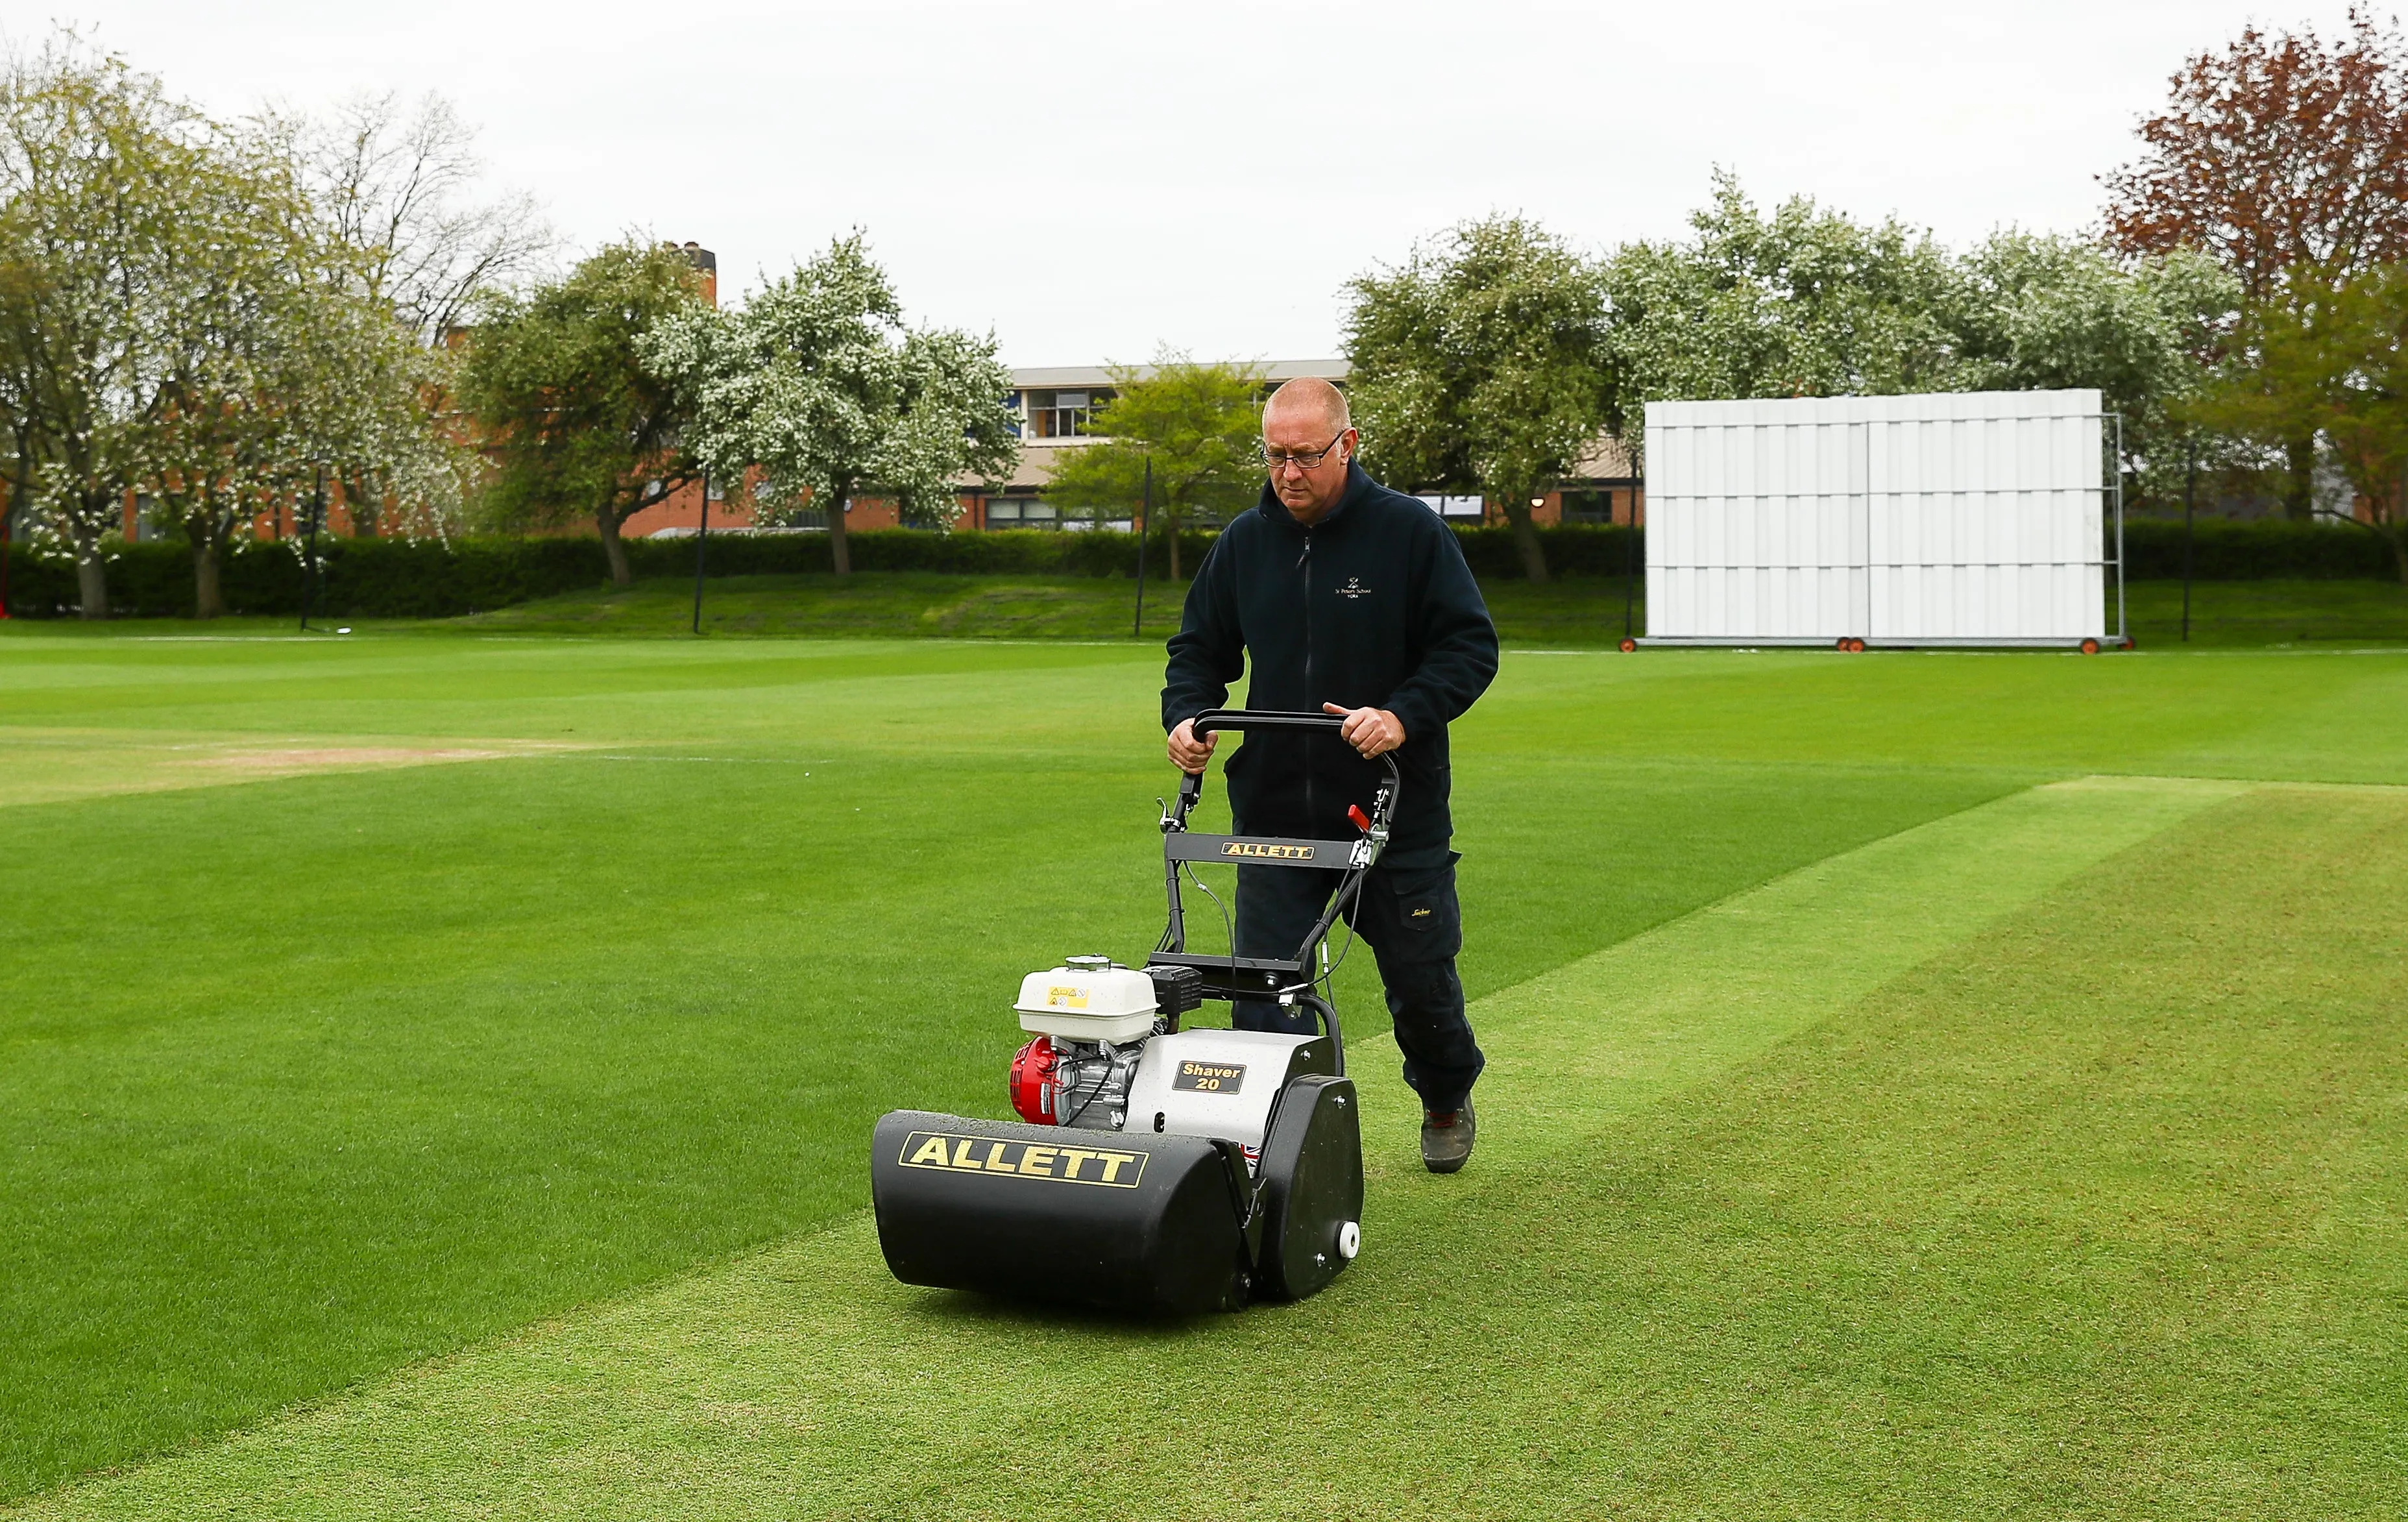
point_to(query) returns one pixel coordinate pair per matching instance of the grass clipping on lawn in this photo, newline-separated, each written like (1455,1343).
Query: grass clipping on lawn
(2047,1156)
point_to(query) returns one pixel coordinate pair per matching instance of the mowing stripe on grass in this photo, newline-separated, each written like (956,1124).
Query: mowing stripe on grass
(1621,1029)
(802,1380)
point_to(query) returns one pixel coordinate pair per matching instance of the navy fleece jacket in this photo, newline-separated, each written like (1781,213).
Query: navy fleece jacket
(1371,607)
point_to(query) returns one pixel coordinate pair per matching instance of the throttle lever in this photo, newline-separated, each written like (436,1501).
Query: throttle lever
(1191,788)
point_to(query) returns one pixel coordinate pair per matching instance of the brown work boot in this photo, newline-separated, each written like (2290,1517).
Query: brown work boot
(1447,1138)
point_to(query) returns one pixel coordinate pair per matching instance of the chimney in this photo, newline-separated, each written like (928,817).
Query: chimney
(708,262)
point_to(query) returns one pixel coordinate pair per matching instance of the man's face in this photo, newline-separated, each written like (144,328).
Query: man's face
(1303,430)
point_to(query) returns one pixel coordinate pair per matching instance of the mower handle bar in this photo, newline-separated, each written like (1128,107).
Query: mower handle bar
(1250,718)
(1191,784)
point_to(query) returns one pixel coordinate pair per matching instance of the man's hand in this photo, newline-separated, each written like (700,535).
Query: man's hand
(1187,752)
(1373,731)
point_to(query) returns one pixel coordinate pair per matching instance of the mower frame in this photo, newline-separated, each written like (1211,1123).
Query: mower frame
(1289,981)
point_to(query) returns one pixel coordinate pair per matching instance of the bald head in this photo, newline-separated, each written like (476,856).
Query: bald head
(1309,397)
(1306,421)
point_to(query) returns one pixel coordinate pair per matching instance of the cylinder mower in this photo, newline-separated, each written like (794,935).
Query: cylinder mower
(1154,1169)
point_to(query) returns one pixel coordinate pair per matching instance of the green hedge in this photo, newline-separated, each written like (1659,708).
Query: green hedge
(2225,551)
(397,579)
(363,578)
(999,553)
(1570,548)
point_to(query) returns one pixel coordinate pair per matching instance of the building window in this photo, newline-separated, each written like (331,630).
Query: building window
(1063,414)
(1020,512)
(1454,506)
(1597,504)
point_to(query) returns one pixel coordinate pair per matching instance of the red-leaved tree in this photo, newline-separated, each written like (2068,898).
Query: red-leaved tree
(2284,153)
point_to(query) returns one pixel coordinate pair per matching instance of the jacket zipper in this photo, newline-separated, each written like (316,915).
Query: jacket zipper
(1311,810)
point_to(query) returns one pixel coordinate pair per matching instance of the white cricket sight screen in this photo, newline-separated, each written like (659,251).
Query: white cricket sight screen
(1953,518)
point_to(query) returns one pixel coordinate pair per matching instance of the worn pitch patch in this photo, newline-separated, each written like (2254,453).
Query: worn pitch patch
(56,764)
(291,762)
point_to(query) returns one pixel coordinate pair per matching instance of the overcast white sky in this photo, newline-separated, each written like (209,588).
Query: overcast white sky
(1092,181)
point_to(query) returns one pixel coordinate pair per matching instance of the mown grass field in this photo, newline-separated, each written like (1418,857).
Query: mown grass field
(435,1073)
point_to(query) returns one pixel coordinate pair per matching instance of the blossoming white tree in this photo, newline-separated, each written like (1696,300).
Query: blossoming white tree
(818,383)
(179,319)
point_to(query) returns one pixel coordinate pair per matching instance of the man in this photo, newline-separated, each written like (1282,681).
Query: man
(1350,599)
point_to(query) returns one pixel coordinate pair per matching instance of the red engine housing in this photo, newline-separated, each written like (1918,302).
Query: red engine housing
(1036,1092)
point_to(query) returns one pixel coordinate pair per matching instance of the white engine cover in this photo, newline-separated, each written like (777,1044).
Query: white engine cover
(1211,1082)
(1087,1004)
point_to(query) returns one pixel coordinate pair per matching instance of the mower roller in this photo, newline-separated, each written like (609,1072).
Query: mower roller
(1154,1169)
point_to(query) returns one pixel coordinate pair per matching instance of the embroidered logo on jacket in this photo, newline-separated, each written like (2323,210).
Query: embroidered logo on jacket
(1353,589)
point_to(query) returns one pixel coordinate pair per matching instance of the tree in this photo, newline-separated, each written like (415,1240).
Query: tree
(1196,426)
(94,160)
(274,363)
(396,186)
(1481,363)
(817,382)
(176,318)
(1813,303)
(2366,363)
(2281,153)
(16,375)
(579,424)
(2031,312)
(1804,303)
(2330,359)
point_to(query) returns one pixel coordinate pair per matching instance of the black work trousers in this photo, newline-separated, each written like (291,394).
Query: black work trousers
(1414,926)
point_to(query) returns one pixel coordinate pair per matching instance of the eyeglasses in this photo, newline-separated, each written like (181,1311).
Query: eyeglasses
(1306,460)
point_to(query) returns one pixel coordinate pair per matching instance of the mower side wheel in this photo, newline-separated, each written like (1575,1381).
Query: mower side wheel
(1310,1188)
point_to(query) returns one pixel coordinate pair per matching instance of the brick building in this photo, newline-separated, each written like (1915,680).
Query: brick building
(1055,405)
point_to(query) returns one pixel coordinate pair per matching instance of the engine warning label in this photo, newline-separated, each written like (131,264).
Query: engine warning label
(1104,1165)
(1210,1077)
